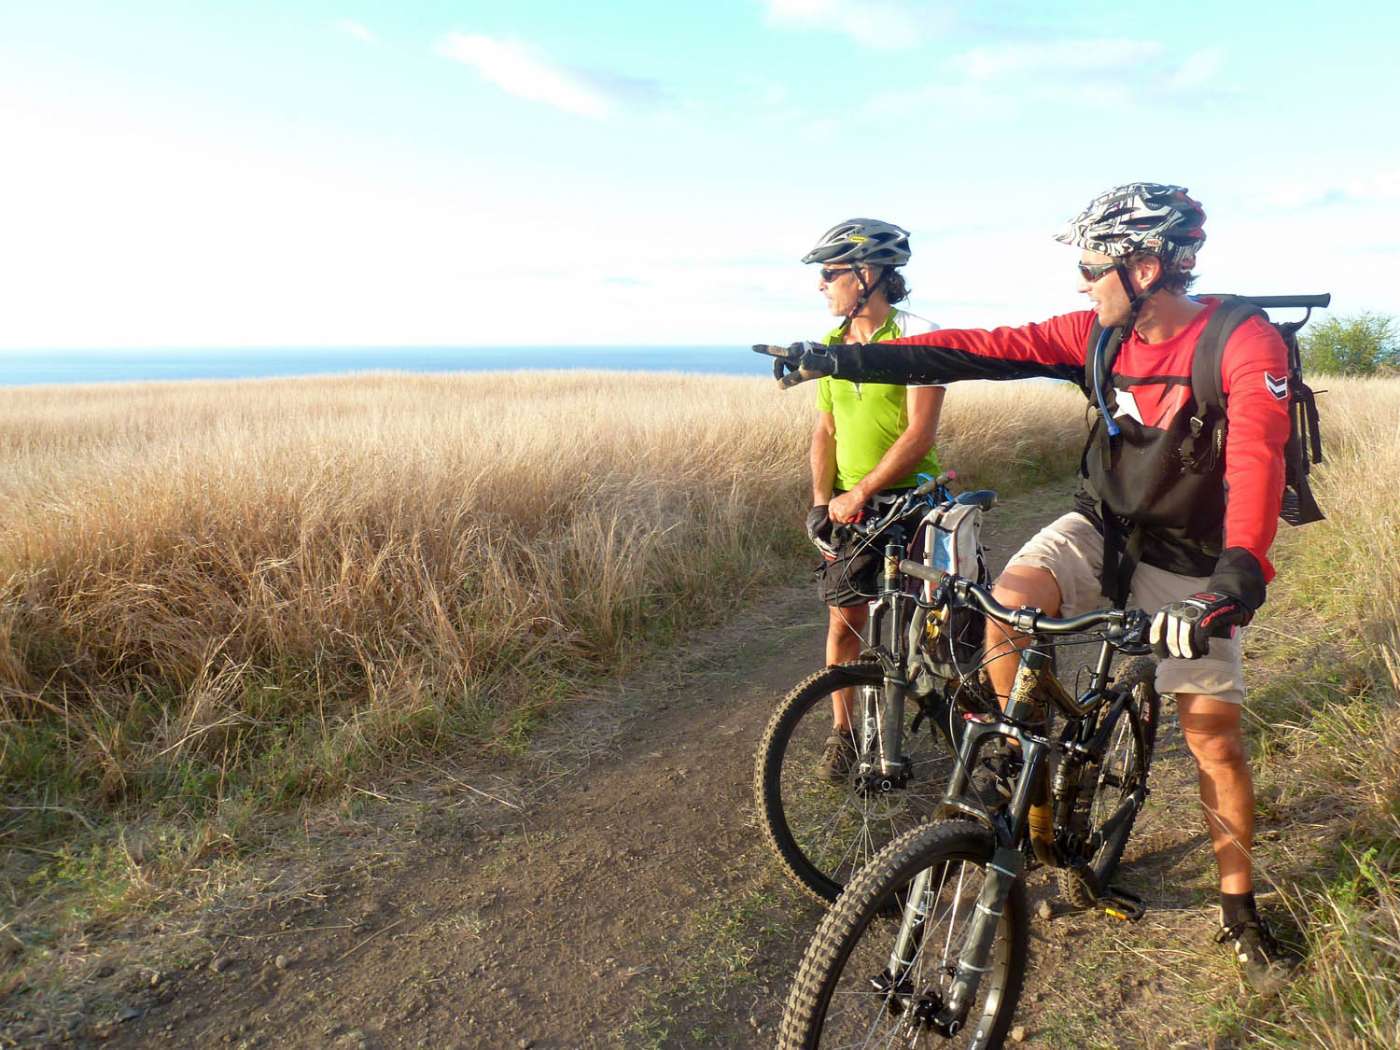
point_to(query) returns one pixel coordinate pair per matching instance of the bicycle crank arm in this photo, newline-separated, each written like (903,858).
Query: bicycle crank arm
(1115,902)
(1121,904)
(1126,811)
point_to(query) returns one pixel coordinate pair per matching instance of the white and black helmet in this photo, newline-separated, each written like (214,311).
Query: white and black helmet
(1141,216)
(862,241)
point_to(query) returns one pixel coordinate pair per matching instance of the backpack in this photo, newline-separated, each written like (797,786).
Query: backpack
(1206,443)
(1304,445)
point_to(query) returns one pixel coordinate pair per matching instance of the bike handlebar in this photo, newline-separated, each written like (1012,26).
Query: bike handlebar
(900,506)
(932,485)
(1132,623)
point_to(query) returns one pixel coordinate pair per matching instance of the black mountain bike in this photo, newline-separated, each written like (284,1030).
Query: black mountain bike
(907,702)
(927,945)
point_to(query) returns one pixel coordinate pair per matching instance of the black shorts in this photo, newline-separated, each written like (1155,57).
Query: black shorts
(854,577)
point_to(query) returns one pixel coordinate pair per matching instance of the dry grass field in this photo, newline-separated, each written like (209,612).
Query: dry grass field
(217,598)
(224,600)
(1326,725)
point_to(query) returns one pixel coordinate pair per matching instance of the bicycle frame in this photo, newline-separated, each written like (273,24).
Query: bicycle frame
(886,721)
(1028,814)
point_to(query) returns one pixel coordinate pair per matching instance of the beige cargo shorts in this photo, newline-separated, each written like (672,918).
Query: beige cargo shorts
(1071,550)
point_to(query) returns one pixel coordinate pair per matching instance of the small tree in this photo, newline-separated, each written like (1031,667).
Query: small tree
(1361,345)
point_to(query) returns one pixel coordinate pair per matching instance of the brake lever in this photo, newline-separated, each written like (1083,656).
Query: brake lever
(1130,637)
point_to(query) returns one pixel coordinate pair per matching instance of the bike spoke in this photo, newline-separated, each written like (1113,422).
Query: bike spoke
(859,1016)
(839,826)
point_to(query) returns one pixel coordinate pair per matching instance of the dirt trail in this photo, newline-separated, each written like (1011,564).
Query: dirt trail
(611,890)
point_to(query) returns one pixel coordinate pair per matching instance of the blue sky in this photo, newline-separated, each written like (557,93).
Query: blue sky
(187,174)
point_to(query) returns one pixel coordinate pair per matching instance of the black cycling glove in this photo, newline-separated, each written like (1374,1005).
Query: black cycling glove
(1183,629)
(799,362)
(819,531)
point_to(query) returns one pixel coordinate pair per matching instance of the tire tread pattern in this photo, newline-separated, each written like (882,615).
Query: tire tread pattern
(767,800)
(1134,673)
(903,857)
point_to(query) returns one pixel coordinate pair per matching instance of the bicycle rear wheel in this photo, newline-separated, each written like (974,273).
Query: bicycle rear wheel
(824,831)
(845,994)
(1113,789)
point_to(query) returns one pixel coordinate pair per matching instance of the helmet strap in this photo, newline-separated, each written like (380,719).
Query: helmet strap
(1135,299)
(866,291)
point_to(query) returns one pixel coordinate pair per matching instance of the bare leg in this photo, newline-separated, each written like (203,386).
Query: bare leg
(1213,733)
(843,643)
(1018,585)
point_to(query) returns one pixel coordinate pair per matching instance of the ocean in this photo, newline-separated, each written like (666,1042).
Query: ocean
(31,367)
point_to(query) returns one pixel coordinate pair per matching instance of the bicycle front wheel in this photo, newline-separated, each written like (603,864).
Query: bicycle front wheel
(824,830)
(1115,787)
(850,993)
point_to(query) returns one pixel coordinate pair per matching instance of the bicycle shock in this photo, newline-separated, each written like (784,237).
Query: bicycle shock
(1024,705)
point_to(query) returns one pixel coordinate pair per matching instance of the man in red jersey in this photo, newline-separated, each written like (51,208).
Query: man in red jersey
(1159,523)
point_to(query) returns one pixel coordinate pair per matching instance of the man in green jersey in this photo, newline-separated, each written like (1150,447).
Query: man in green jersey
(871,439)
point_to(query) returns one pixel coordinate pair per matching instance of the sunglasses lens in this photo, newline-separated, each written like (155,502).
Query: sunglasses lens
(830,275)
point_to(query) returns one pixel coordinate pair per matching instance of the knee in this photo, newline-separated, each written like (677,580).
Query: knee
(1021,585)
(845,623)
(1216,750)
(1000,639)
(1028,585)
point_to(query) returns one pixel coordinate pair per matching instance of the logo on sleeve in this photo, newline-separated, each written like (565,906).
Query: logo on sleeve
(1277,387)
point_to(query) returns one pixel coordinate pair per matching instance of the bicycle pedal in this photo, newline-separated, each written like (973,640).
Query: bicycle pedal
(1122,905)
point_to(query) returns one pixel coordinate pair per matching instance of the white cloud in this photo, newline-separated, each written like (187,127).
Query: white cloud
(358,30)
(1004,81)
(1198,70)
(1058,57)
(1377,187)
(517,70)
(875,23)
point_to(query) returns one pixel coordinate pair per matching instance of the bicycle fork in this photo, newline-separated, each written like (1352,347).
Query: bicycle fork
(1006,865)
(1003,870)
(948,1016)
(894,687)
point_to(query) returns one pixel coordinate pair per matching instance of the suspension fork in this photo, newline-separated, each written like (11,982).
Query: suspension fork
(895,685)
(1005,867)
(1003,870)
(906,944)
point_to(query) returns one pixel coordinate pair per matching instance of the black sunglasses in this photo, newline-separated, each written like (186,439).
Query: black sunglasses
(1091,272)
(829,275)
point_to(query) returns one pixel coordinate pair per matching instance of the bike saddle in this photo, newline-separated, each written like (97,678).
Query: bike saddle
(984,498)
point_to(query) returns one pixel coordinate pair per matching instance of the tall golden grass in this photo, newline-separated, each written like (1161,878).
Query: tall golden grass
(1329,724)
(253,590)
(218,597)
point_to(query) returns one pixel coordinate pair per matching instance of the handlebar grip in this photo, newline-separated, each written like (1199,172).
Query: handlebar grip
(934,484)
(920,571)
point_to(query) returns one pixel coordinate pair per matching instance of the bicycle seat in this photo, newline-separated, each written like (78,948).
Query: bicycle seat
(984,498)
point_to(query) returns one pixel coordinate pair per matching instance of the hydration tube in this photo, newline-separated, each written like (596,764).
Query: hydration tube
(1104,336)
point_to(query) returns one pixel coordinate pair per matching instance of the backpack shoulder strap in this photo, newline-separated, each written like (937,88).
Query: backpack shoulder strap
(1207,388)
(1206,385)
(1095,331)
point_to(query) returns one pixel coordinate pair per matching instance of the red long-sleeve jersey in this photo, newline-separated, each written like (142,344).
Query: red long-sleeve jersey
(1219,523)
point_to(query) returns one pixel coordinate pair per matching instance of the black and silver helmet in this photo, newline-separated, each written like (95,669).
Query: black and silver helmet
(1141,216)
(862,241)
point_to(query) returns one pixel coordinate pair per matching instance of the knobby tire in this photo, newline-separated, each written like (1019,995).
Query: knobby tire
(1134,738)
(863,912)
(822,832)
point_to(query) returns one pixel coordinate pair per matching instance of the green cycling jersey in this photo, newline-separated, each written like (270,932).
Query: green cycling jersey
(871,416)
